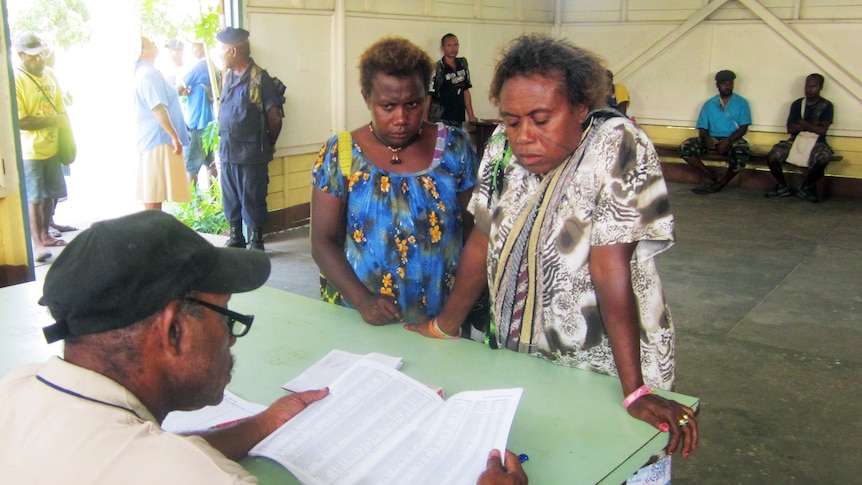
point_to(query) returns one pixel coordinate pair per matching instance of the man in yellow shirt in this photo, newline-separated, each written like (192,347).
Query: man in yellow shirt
(618,95)
(40,112)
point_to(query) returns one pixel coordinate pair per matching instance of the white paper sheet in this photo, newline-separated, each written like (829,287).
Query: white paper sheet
(380,426)
(230,409)
(326,370)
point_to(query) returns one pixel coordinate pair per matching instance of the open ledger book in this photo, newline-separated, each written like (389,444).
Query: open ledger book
(379,426)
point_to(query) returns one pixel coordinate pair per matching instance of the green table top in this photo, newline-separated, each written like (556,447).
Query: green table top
(570,422)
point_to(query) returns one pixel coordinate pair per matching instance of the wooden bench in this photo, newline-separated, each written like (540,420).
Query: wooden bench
(758,158)
(756,162)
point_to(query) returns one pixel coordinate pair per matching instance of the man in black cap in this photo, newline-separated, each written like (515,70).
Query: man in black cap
(722,123)
(249,124)
(41,112)
(141,304)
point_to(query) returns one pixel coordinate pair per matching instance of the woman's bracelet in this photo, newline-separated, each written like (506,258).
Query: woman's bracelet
(435,331)
(637,394)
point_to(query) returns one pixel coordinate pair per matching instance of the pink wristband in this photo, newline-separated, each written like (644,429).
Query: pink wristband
(637,394)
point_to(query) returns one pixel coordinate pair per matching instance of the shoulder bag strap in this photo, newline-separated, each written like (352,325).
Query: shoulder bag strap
(42,90)
(345,153)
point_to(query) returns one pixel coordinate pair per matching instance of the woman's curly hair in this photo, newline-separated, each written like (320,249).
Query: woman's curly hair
(581,73)
(394,56)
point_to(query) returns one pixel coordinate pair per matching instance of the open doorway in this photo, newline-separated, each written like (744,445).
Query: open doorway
(98,75)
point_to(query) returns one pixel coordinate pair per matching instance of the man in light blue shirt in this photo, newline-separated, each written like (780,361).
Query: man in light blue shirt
(162,134)
(199,114)
(721,125)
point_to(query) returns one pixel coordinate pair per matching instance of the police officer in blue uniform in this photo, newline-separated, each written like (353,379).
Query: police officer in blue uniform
(249,124)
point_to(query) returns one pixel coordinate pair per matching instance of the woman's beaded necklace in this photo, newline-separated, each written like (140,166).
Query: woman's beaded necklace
(395,160)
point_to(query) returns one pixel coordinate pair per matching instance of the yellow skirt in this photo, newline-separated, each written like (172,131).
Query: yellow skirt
(162,176)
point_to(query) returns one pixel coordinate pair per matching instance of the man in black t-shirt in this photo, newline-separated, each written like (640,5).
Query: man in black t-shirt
(809,114)
(449,93)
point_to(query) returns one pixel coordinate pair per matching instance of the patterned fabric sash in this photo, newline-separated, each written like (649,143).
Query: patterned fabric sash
(517,284)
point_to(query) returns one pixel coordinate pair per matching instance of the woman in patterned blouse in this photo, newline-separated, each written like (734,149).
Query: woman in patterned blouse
(388,205)
(570,209)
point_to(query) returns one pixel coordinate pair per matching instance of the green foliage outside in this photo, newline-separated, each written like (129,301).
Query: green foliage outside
(170,18)
(204,213)
(60,23)
(66,23)
(209,137)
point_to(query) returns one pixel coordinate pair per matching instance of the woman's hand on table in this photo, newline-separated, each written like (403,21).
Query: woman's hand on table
(379,309)
(427,329)
(670,416)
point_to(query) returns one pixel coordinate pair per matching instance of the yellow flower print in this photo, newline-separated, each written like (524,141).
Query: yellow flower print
(401,244)
(358,235)
(384,184)
(387,285)
(430,186)
(401,272)
(432,218)
(441,206)
(320,156)
(353,179)
(435,234)
(365,177)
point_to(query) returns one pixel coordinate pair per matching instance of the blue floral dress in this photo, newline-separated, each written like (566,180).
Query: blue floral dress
(403,232)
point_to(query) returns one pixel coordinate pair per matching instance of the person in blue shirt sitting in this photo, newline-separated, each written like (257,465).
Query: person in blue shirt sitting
(721,125)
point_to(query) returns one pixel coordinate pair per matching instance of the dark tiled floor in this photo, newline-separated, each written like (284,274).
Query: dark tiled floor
(766,296)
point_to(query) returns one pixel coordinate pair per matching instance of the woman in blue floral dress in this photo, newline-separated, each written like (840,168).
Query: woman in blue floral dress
(387,225)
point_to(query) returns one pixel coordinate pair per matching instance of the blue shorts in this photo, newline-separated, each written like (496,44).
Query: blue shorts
(44,180)
(194,153)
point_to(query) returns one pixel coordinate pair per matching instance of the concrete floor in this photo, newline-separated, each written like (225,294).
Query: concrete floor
(765,297)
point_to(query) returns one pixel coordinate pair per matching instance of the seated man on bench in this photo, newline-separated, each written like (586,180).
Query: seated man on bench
(721,125)
(814,116)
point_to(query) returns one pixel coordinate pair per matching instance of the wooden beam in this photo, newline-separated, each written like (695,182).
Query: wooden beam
(668,40)
(807,49)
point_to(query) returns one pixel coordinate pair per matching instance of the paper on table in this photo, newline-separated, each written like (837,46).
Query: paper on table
(231,408)
(380,426)
(326,370)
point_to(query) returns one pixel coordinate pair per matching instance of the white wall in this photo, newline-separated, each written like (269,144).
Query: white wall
(771,68)
(479,43)
(297,42)
(296,47)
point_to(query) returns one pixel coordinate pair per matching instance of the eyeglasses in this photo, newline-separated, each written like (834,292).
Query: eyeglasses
(237,323)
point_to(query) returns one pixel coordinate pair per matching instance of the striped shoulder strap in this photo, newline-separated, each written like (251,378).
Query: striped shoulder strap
(345,153)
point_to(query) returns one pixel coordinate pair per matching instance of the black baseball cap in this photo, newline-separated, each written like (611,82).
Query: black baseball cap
(725,75)
(123,270)
(231,35)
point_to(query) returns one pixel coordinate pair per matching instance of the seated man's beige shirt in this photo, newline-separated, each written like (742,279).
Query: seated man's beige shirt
(60,423)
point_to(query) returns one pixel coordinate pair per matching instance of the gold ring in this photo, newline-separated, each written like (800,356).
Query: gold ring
(683,422)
